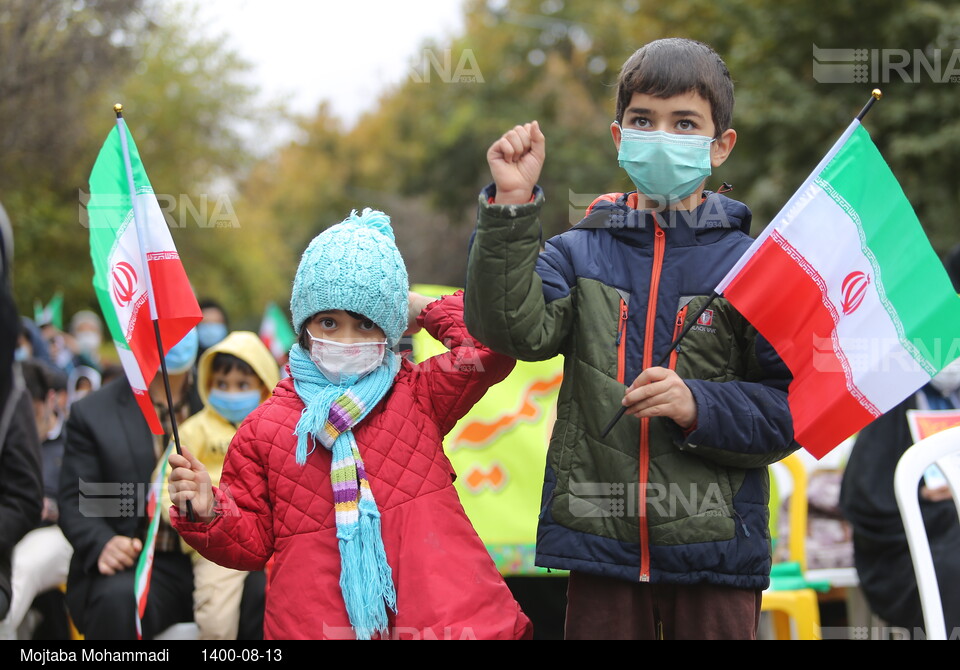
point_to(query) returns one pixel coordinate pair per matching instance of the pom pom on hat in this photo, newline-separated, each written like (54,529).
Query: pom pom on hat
(373,219)
(355,266)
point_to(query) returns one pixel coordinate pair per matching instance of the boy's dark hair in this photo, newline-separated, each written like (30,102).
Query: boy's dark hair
(225,363)
(36,379)
(209,303)
(674,66)
(304,339)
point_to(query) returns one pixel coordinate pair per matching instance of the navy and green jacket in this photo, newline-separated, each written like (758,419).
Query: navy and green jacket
(647,502)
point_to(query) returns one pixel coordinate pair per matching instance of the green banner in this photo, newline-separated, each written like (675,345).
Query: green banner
(499,451)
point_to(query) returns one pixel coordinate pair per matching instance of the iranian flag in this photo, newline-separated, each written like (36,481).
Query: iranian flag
(846,287)
(137,274)
(276,332)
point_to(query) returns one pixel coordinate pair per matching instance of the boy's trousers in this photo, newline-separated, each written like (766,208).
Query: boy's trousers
(605,608)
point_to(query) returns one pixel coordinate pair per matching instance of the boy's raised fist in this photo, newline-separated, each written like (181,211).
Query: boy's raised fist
(515,162)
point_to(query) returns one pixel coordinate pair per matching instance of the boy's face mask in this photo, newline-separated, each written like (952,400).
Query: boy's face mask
(346,362)
(209,334)
(665,166)
(234,406)
(183,354)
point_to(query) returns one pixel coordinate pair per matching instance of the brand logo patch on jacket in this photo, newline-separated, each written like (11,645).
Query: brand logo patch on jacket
(705,322)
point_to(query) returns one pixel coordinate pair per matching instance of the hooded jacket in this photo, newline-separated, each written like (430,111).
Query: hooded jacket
(447,585)
(647,502)
(207,433)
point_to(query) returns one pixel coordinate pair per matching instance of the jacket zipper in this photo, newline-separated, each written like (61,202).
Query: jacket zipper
(659,243)
(622,343)
(681,317)
(743,524)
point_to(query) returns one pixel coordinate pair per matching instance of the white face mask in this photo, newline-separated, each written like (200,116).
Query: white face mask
(947,381)
(342,362)
(88,341)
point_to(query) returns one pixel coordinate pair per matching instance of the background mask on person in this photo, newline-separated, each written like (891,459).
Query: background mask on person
(183,354)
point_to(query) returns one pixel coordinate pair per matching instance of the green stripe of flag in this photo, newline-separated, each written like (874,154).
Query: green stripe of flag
(110,211)
(861,182)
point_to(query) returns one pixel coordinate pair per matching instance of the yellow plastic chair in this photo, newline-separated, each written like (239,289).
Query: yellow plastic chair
(798,605)
(74,633)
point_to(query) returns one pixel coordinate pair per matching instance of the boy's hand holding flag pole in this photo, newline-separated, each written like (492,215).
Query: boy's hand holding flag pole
(845,286)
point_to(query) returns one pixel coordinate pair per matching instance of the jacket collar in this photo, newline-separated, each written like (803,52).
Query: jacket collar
(682,228)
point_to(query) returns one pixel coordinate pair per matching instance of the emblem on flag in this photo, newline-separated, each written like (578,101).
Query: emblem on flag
(124,280)
(854,289)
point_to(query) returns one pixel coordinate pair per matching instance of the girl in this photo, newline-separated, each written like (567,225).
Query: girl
(341,477)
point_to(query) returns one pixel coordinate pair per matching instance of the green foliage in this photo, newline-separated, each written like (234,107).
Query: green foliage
(183,102)
(557,61)
(420,153)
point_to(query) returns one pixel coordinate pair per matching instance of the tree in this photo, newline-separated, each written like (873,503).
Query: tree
(182,97)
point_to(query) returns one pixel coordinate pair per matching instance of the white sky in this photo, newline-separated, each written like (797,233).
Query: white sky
(342,51)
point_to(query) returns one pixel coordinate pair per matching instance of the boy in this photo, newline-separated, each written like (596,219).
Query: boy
(663,522)
(234,376)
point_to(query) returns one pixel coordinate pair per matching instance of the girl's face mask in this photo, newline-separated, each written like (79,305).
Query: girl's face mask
(342,362)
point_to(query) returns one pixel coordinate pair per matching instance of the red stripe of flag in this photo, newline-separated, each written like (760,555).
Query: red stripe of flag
(801,328)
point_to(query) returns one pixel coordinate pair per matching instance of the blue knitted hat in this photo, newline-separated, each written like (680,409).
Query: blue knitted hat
(354,266)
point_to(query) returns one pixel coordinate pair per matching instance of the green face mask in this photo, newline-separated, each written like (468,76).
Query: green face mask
(665,166)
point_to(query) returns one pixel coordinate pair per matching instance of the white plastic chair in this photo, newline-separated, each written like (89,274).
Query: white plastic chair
(942,448)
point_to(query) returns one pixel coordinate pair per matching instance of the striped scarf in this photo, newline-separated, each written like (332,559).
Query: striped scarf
(330,413)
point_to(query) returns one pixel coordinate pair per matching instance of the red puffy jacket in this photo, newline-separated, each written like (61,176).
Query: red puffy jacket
(447,585)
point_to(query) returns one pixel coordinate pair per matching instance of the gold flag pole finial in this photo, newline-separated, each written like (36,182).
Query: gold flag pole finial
(118,108)
(875,95)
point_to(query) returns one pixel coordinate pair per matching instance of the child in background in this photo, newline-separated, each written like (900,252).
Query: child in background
(341,477)
(234,376)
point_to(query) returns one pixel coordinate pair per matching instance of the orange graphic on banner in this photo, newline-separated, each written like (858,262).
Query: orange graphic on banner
(478,433)
(926,423)
(477,478)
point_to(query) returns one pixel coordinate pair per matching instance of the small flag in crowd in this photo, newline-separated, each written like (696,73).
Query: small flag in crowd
(144,569)
(846,287)
(51,314)
(276,332)
(138,276)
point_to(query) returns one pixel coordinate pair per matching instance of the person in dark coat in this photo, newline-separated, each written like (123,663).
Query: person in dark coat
(881,554)
(21,486)
(21,489)
(105,478)
(867,500)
